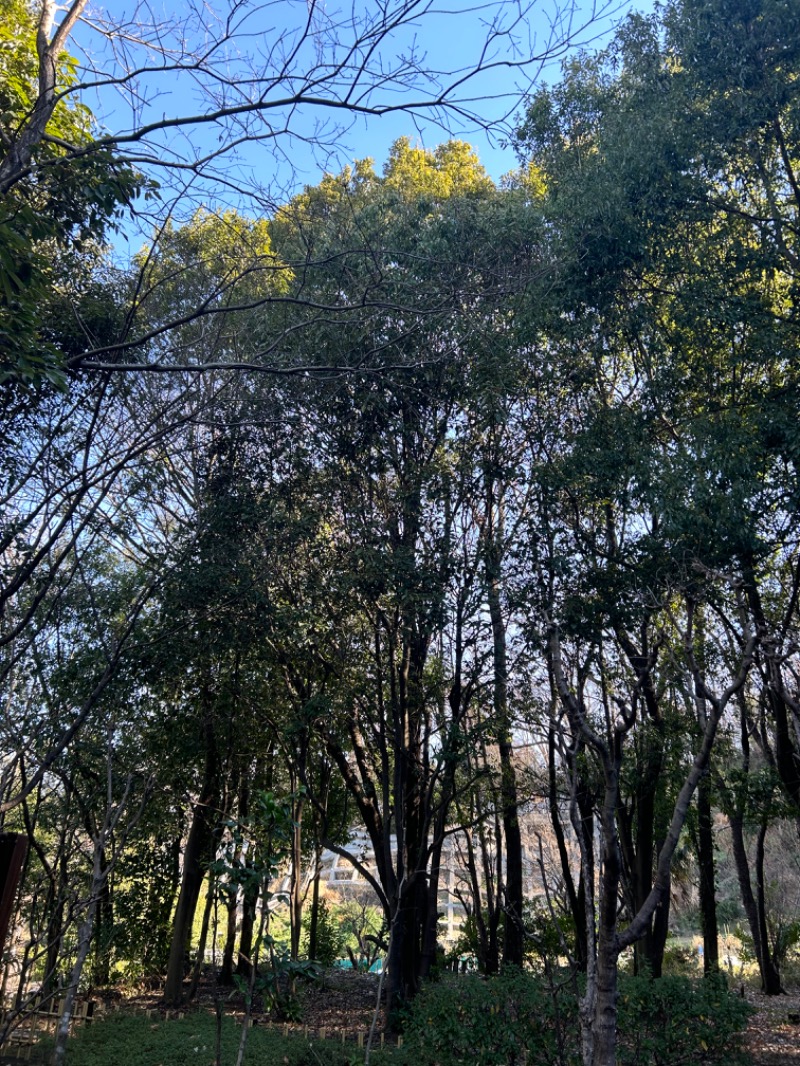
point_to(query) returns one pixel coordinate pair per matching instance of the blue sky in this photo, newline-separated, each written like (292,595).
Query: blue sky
(444,39)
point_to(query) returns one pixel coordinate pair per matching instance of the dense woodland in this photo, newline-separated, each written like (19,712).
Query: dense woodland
(407,503)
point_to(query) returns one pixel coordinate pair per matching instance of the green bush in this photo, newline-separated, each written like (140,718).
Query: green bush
(496,1022)
(461,1019)
(676,1020)
(488,1022)
(330,938)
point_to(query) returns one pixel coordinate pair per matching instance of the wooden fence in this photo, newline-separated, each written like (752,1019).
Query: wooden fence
(40,1021)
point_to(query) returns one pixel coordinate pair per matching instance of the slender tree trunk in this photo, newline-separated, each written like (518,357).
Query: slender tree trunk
(514,939)
(772,984)
(705,862)
(201,947)
(244,964)
(660,929)
(296,895)
(649,951)
(604,1021)
(84,943)
(98,882)
(195,855)
(770,980)
(104,924)
(313,921)
(195,859)
(573,896)
(226,970)
(429,941)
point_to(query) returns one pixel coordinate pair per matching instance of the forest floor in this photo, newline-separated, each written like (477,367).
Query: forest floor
(344,1003)
(772,1038)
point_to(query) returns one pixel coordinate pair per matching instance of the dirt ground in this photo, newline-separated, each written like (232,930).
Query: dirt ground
(773,1035)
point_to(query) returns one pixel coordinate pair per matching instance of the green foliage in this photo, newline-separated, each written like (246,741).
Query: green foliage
(56,211)
(143,899)
(330,935)
(249,860)
(137,1041)
(491,1022)
(222,262)
(251,854)
(363,927)
(674,1020)
(548,936)
(451,169)
(661,1023)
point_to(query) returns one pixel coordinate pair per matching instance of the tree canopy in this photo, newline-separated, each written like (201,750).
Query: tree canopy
(443,524)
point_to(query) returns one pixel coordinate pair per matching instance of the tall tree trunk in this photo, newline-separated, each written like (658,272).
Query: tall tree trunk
(104,927)
(201,947)
(249,908)
(68,1005)
(646,955)
(313,920)
(429,932)
(296,884)
(705,862)
(772,984)
(604,1021)
(514,939)
(576,903)
(226,969)
(195,857)
(770,979)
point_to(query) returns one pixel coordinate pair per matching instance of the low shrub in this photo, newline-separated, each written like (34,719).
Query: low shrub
(513,1018)
(500,1021)
(676,1020)
(494,1021)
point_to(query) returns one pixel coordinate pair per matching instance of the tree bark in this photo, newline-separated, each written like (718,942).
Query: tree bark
(244,964)
(705,862)
(295,894)
(514,938)
(573,898)
(201,947)
(226,969)
(604,1021)
(772,977)
(195,854)
(770,980)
